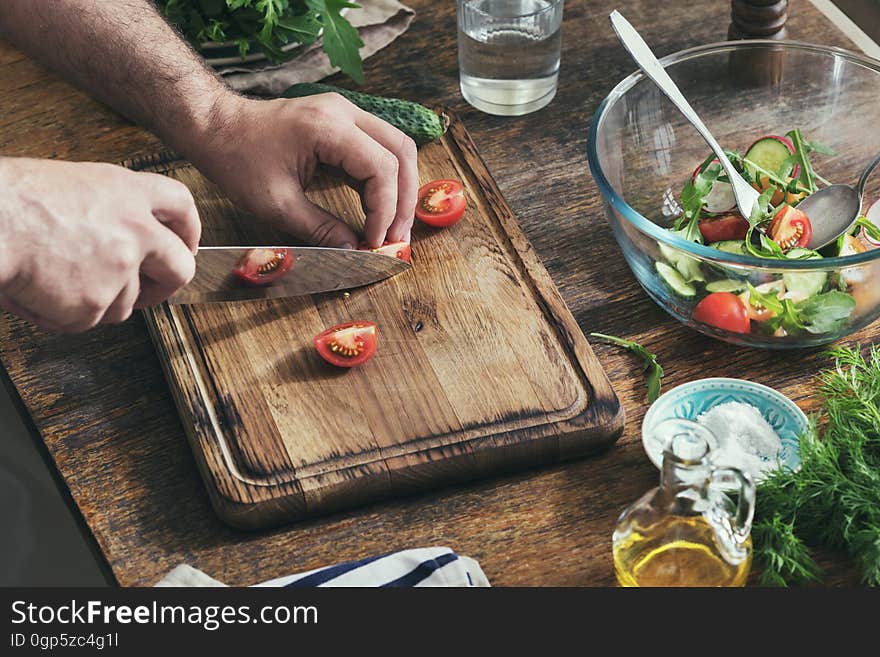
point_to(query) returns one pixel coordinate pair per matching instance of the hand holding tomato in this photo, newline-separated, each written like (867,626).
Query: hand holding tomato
(263,153)
(84,243)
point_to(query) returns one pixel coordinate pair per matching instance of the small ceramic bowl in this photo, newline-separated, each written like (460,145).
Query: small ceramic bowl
(688,401)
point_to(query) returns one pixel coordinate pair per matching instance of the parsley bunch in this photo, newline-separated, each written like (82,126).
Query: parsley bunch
(834,499)
(270,25)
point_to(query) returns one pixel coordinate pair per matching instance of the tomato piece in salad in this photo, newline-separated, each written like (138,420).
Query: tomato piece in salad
(263,266)
(347,345)
(726,227)
(723,310)
(399,250)
(756,311)
(791,228)
(441,203)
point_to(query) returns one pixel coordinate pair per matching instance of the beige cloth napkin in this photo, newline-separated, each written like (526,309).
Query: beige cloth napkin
(379,22)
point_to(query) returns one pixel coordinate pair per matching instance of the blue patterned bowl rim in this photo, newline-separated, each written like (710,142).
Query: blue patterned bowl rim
(690,399)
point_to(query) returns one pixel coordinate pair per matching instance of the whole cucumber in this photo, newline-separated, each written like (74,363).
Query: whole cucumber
(417,121)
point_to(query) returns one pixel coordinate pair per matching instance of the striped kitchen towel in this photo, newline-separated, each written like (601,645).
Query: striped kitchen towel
(433,566)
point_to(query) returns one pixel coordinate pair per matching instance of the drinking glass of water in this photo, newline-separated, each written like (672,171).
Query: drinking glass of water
(508,53)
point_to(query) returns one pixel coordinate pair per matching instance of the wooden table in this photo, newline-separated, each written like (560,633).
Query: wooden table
(101,404)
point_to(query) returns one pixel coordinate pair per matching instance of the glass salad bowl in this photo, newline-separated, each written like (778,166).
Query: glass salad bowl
(642,152)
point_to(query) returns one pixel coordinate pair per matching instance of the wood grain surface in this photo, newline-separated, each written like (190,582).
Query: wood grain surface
(103,408)
(480,367)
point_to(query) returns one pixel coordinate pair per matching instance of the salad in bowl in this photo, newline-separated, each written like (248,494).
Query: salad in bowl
(781,167)
(793,118)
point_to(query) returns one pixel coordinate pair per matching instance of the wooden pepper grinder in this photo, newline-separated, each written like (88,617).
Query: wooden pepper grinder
(758,19)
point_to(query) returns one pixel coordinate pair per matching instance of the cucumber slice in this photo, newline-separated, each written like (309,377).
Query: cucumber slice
(675,280)
(731,246)
(770,153)
(727,285)
(687,266)
(803,285)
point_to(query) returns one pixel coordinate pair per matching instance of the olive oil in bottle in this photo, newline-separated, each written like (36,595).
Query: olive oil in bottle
(687,531)
(677,552)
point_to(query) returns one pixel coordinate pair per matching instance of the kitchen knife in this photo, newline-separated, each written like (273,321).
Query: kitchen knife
(313,270)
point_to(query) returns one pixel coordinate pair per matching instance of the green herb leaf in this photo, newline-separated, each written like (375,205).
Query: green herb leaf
(824,313)
(768,300)
(834,498)
(816,147)
(767,249)
(341,40)
(807,177)
(870,228)
(653,370)
(694,194)
(271,25)
(762,211)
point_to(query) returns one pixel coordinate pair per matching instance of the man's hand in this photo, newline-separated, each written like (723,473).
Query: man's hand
(262,153)
(84,243)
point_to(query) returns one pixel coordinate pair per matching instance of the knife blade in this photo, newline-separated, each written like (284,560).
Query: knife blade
(314,270)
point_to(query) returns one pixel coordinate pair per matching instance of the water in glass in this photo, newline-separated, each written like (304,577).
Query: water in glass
(508,53)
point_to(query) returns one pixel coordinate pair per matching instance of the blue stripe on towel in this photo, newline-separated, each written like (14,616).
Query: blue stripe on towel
(423,571)
(332,572)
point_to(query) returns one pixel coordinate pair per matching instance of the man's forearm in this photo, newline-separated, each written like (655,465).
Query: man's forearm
(124,53)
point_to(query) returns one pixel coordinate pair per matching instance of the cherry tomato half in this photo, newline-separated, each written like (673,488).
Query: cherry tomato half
(441,203)
(399,250)
(348,344)
(757,313)
(723,310)
(791,228)
(725,227)
(263,266)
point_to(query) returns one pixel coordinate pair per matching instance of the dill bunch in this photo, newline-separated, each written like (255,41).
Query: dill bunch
(834,499)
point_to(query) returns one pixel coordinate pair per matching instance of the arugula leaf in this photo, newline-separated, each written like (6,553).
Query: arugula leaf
(653,370)
(270,25)
(820,313)
(694,194)
(816,147)
(801,152)
(870,228)
(824,313)
(762,210)
(768,248)
(767,300)
(341,40)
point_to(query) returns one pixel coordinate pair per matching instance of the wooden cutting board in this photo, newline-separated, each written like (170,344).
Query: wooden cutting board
(480,367)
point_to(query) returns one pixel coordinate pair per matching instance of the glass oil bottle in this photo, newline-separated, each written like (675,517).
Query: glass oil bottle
(689,531)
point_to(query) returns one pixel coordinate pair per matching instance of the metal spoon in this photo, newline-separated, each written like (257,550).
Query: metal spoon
(746,196)
(834,209)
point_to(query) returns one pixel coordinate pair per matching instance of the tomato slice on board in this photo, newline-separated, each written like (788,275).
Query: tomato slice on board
(399,250)
(348,344)
(723,310)
(726,227)
(263,266)
(441,203)
(791,228)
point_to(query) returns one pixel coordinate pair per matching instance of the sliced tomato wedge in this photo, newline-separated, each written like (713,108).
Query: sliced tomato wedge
(263,266)
(723,310)
(791,228)
(347,345)
(727,227)
(441,203)
(399,250)
(756,313)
